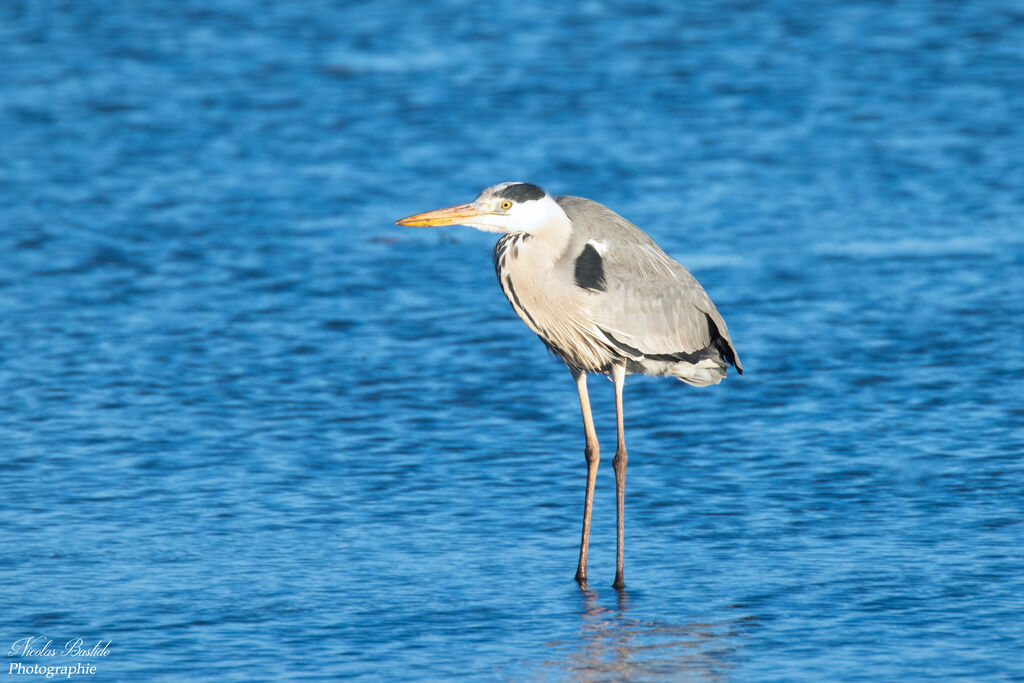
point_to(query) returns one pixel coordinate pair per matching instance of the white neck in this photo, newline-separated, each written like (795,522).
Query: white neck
(543,219)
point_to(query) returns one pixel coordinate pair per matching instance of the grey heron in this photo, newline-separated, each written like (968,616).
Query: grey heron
(604,298)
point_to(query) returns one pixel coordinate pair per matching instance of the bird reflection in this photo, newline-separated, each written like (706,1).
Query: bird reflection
(613,646)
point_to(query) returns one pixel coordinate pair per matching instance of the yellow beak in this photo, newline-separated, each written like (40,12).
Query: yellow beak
(452,215)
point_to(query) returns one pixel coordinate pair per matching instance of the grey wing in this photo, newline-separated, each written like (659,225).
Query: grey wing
(651,307)
(660,310)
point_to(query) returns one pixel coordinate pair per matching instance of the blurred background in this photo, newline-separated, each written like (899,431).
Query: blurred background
(251,429)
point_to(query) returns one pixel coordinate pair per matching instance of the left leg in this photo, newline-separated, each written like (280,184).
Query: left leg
(619,465)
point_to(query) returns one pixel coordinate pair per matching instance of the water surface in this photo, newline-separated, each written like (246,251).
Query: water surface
(252,430)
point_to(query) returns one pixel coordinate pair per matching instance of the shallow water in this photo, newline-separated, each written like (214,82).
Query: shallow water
(253,430)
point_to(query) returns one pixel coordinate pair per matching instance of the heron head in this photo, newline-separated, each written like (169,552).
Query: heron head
(505,207)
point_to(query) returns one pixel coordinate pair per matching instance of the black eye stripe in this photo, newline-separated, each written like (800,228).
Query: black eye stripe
(521,192)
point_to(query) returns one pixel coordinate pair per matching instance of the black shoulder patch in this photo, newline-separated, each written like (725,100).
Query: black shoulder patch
(522,192)
(590,270)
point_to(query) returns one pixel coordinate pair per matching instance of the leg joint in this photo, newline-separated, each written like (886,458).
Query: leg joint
(620,459)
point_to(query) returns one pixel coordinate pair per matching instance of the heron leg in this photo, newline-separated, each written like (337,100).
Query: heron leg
(619,465)
(593,455)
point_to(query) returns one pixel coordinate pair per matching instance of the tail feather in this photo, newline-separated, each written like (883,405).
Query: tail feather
(706,372)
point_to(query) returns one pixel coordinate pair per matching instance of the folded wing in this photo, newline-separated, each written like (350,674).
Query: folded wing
(651,309)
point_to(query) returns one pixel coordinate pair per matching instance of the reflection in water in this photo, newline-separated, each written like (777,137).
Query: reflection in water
(612,646)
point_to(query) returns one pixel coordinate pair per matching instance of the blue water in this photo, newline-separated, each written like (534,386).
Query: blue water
(253,430)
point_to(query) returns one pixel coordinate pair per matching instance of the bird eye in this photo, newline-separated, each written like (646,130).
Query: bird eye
(506,205)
